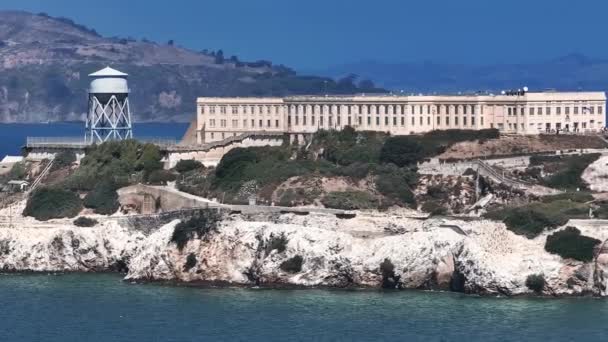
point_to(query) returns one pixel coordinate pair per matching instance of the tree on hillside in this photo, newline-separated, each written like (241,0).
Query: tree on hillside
(401,151)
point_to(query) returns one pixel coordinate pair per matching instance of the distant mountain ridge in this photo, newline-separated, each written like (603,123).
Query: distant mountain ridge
(44,63)
(570,72)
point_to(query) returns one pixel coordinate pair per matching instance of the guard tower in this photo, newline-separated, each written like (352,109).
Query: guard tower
(109,117)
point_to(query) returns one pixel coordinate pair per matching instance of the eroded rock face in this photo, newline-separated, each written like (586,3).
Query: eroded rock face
(67,248)
(317,250)
(596,175)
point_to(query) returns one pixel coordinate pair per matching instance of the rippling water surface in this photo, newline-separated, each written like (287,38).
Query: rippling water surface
(98,307)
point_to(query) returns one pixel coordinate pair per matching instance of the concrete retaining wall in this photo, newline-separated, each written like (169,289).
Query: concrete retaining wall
(212,156)
(167,200)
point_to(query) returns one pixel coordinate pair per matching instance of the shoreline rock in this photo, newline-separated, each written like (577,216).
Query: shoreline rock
(320,251)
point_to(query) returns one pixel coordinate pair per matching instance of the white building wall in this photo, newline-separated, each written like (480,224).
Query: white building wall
(220,118)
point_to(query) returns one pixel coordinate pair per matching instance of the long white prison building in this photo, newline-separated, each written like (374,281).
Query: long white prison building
(516,113)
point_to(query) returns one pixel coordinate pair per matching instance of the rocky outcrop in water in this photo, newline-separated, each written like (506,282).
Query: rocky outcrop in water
(316,250)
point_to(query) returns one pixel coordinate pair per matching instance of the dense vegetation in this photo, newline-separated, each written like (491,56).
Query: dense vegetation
(190,262)
(188,165)
(63,159)
(276,242)
(564,172)
(103,199)
(387,164)
(350,200)
(536,282)
(83,221)
(390,280)
(292,265)
(49,203)
(119,162)
(569,243)
(197,226)
(408,150)
(534,218)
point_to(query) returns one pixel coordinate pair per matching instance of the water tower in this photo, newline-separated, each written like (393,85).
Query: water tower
(109,117)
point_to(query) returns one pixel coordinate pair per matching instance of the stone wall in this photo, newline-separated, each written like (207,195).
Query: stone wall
(167,200)
(212,156)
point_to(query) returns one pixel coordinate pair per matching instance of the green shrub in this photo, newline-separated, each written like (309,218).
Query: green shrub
(401,151)
(434,208)
(569,175)
(396,183)
(536,282)
(532,219)
(190,262)
(83,221)
(350,200)
(292,265)
(117,161)
(574,196)
(389,279)
(150,159)
(50,203)
(103,199)
(527,221)
(17,172)
(570,244)
(63,159)
(355,171)
(198,226)
(161,177)
(186,165)
(233,162)
(288,197)
(276,242)
(348,146)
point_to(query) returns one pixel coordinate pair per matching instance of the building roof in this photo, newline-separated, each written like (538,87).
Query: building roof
(108,72)
(11,159)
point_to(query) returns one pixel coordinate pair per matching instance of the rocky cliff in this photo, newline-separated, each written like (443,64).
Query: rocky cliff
(316,250)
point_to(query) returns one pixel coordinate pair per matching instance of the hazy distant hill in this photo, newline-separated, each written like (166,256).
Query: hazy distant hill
(570,72)
(44,63)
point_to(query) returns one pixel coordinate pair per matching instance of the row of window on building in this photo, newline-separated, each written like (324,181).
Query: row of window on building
(558,110)
(386,121)
(340,109)
(549,126)
(235,123)
(245,109)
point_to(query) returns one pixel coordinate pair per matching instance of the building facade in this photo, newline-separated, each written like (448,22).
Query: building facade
(516,113)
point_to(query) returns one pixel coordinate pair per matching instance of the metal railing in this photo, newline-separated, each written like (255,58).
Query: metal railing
(81,142)
(56,141)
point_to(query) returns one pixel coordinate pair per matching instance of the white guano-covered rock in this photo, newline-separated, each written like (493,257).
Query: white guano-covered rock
(596,175)
(477,256)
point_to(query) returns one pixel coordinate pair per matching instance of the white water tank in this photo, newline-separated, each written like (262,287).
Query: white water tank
(109,116)
(109,81)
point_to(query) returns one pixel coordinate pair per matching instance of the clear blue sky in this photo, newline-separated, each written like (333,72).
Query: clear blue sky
(312,34)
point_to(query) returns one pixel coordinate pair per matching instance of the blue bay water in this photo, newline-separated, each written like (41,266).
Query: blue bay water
(101,307)
(13,136)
